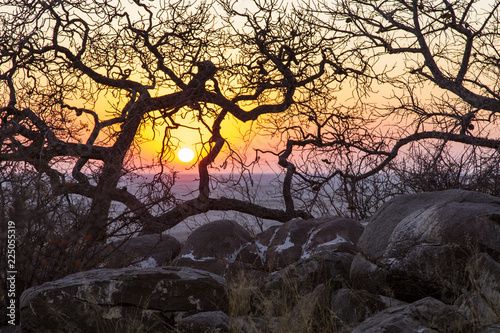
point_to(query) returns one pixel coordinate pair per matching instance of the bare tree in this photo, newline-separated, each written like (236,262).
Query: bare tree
(453,45)
(270,62)
(157,63)
(436,65)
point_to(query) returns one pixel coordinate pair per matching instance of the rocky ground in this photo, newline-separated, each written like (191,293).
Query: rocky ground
(426,262)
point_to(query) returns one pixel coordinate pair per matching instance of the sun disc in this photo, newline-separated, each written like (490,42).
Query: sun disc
(185,155)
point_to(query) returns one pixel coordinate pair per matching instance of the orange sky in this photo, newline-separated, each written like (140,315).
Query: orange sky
(233,130)
(184,137)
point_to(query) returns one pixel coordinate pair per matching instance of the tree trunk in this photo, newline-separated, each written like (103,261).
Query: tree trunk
(110,175)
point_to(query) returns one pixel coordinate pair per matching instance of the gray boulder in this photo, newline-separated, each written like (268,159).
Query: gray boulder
(490,329)
(418,245)
(280,291)
(481,303)
(212,321)
(248,324)
(426,315)
(285,247)
(279,247)
(153,250)
(213,246)
(148,299)
(298,239)
(351,307)
(254,253)
(249,266)
(333,234)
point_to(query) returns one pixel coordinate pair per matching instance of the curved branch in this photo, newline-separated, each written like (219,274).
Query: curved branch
(459,138)
(197,206)
(287,182)
(120,195)
(99,78)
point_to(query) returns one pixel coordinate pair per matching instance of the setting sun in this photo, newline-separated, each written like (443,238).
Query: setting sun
(185,155)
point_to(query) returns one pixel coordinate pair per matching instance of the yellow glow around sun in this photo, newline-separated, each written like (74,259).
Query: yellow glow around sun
(185,155)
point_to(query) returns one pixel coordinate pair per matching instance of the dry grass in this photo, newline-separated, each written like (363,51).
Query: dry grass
(282,309)
(285,308)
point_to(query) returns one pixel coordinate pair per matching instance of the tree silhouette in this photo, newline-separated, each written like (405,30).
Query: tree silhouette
(436,65)
(157,63)
(273,63)
(82,81)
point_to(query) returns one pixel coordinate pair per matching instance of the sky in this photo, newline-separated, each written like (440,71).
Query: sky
(233,130)
(190,136)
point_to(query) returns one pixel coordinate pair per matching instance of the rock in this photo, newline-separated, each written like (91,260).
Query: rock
(285,247)
(148,299)
(485,276)
(482,302)
(249,266)
(351,307)
(213,321)
(298,239)
(279,293)
(335,234)
(153,250)
(212,246)
(279,247)
(477,310)
(425,315)
(247,324)
(490,329)
(418,245)
(241,272)
(255,253)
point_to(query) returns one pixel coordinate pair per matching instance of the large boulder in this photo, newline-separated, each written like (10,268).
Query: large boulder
(280,291)
(333,234)
(286,246)
(426,315)
(211,321)
(213,246)
(419,244)
(481,303)
(254,253)
(153,250)
(250,324)
(249,266)
(147,299)
(299,239)
(490,329)
(281,247)
(351,307)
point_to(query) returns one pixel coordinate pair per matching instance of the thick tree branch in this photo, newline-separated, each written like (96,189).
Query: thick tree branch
(197,206)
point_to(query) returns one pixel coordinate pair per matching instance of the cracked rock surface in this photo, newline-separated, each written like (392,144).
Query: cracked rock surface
(152,298)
